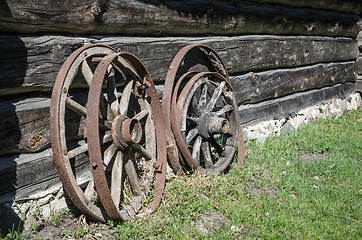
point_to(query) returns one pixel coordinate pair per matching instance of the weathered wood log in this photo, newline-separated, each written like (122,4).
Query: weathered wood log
(33,175)
(30,64)
(283,107)
(24,125)
(266,85)
(155,18)
(359,84)
(351,6)
(359,64)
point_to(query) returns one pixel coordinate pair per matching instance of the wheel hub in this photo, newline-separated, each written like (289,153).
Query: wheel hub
(211,124)
(126,131)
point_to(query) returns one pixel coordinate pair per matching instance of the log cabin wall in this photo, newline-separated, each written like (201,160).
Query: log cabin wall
(282,55)
(359,60)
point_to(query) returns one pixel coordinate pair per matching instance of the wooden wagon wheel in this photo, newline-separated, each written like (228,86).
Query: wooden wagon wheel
(68,111)
(203,112)
(123,169)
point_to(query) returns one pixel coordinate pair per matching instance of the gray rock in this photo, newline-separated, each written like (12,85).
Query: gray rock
(287,127)
(210,222)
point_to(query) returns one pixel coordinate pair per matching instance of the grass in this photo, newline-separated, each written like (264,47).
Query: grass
(303,185)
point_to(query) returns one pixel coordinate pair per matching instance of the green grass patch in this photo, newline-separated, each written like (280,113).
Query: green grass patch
(304,184)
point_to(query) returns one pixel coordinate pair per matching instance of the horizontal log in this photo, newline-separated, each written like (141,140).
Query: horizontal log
(24,125)
(266,85)
(30,64)
(29,176)
(359,84)
(164,17)
(359,64)
(285,106)
(349,6)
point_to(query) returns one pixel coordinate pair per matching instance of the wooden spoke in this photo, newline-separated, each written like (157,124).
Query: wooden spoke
(215,97)
(217,147)
(116,182)
(126,95)
(203,97)
(141,115)
(191,135)
(76,107)
(82,111)
(225,109)
(132,176)
(205,149)
(87,72)
(108,154)
(112,94)
(106,138)
(77,151)
(194,120)
(196,110)
(90,190)
(138,148)
(196,150)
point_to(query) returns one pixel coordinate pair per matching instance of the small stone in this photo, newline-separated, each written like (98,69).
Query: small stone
(288,164)
(287,127)
(315,186)
(267,214)
(210,222)
(99,235)
(284,172)
(316,178)
(234,229)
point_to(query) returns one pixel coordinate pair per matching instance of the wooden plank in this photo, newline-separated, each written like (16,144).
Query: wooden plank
(359,84)
(359,64)
(24,125)
(30,64)
(283,107)
(349,6)
(165,17)
(266,85)
(32,175)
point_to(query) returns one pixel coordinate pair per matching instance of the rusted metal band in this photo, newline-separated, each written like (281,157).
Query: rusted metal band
(60,157)
(161,162)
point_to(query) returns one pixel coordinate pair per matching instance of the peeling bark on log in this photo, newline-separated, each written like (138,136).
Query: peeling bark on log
(261,86)
(30,64)
(283,107)
(157,18)
(27,175)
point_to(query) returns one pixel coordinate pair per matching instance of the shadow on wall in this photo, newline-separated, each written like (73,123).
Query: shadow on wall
(13,65)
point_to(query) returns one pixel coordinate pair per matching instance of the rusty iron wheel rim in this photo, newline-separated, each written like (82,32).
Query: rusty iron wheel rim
(173,104)
(78,62)
(137,103)
(216,121)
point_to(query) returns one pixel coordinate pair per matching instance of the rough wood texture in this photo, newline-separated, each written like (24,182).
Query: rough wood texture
(261,86)
(22,176)
(164,17)
(359,64)
(359,84)
(31,63)
(253,113)
(24,125)
(349,6)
